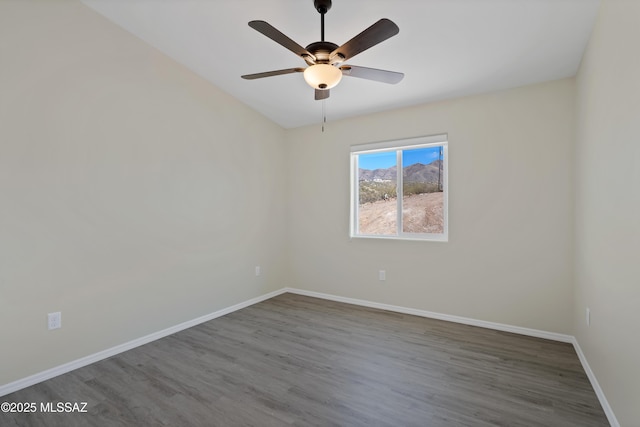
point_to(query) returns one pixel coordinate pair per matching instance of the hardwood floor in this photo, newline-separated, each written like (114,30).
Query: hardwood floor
(295,360)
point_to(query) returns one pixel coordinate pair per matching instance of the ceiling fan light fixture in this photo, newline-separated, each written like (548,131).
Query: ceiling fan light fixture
(324,58)
(322,76)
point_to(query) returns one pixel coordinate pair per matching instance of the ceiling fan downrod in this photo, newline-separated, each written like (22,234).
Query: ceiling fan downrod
(322,6)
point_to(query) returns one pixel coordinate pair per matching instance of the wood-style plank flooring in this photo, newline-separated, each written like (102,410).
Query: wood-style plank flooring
(295,360)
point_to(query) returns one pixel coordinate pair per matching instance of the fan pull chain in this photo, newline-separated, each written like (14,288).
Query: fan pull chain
(324,114)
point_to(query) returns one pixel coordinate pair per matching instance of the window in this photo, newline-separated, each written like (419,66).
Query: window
(399,189)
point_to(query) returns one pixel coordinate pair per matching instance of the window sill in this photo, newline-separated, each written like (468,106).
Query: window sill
(430,238)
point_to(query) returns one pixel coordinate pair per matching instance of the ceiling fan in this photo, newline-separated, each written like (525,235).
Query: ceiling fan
(324,59)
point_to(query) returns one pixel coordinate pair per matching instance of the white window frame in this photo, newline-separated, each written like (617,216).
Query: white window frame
(398,146)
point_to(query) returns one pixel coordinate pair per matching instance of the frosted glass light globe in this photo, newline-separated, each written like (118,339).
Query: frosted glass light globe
(322,76)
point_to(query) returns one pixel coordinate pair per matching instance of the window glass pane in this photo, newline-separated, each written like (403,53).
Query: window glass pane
(377,204)
(400,189)
(422,190)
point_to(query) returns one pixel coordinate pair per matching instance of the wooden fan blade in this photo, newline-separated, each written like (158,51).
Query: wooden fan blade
(278,37)
(272,73)
(322,94)
(377,33)
(383,76)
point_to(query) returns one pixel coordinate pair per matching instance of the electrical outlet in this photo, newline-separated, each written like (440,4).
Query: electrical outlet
(588,316)
(382,275)
(258,270)
(54,320)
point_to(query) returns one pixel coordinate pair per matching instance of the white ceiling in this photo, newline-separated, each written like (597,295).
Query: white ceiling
(446,48)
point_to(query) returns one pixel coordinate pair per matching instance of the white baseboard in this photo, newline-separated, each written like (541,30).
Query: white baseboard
(483,324)
(87,360)
(596,386)
(101,355)
(433,315)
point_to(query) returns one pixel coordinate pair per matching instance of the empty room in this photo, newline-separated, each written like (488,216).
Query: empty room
(299,212)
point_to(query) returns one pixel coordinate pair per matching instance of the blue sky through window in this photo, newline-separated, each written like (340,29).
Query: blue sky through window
(387,159)
(377,160)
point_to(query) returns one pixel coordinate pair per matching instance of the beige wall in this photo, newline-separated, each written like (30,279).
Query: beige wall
(608,206)
(134,195)
(509,255)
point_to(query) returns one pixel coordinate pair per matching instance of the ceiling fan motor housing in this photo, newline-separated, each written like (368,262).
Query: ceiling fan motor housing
(322,53)
(321,73)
